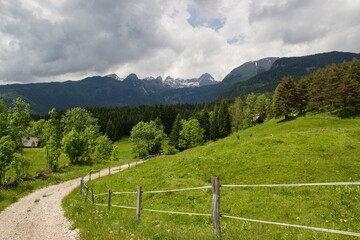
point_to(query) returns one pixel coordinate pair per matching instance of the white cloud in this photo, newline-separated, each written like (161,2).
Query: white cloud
(43,40)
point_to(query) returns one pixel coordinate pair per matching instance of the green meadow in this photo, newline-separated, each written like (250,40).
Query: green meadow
(311,149)
(36,156)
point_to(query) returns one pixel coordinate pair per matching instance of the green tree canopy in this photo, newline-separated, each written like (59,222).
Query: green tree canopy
(223,120)
(147,138)
(175,132)
(204,119)
(3,119)
(214,133)
(18,120)
(74,146)
(103,149)
(78,119)
(237,113)
(7,150)
(284,101)
(191,134)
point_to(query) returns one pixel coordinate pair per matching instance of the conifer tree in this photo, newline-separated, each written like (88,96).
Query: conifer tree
(349,88)
(204,120)
(284,98)
(175,132)
(331,86)
(302,95)
(110,130)
(213,124)
(223,120)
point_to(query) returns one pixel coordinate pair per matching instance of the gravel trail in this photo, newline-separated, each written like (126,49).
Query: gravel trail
(39,215)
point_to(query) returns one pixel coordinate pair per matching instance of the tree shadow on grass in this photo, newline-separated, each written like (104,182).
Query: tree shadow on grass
(347,113)
(288,119)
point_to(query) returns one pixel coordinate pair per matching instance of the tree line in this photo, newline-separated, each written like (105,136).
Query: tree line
(75,133)
(186,131)
(117,122)
(334,88)
(85,134)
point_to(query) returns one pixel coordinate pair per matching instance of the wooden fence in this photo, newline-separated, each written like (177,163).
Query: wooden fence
(215,213)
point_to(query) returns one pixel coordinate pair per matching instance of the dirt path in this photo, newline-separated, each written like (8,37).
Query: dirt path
(40,215)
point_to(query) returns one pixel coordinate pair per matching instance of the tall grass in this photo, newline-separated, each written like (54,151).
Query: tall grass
(308,149)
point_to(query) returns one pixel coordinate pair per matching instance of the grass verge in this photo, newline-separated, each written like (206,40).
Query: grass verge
(306,149)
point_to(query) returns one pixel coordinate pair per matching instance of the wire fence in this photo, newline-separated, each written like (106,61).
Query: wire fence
(215,214)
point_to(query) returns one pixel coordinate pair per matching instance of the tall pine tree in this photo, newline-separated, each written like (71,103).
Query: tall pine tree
(223,120)
(214,134)
(204,120)
(302,94)
(175,132)
(284,101)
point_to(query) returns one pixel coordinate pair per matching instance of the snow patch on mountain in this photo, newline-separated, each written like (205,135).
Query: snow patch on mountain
(203,80)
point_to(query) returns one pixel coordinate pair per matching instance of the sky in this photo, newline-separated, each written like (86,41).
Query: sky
(58,40)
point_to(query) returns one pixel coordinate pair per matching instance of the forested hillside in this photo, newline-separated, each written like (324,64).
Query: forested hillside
(99,91)
(296,67)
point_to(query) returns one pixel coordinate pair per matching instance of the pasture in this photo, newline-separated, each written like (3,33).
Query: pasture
(305,150)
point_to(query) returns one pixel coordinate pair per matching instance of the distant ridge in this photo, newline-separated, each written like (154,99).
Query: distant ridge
(109,91)
(287,66)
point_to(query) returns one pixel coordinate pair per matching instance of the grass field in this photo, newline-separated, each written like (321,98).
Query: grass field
(304,150)
(37,159)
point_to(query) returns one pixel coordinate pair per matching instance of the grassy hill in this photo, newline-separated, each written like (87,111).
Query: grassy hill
(307,149)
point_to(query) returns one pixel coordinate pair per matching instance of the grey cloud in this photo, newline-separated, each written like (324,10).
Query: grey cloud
(302,21)
(93,36)
(42,40)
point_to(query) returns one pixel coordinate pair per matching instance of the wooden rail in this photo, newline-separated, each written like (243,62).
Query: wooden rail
(215,213)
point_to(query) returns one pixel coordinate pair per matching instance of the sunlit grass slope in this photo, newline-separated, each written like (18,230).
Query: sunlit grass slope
(304,150)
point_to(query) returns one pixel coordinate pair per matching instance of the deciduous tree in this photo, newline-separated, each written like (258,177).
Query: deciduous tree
(7,150)
(78,119)
(191,134)
(18,120)
(147,138)
(74,146)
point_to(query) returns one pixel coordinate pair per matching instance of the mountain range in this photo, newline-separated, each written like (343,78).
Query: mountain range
(112,91)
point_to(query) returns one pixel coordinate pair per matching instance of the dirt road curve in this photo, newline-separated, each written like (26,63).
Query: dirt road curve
(40,216)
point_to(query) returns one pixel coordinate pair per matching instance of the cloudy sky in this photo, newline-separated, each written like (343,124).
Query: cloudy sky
(55,40)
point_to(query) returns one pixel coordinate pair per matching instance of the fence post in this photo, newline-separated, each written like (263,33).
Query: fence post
(138,203)
(109,199)
(109,170)
(86,194)
(128,165)
(92,196)
(216,206)
(81,184)
(99,174)
(90,175)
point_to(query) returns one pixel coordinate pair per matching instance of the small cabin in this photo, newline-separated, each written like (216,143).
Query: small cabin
(30,142)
